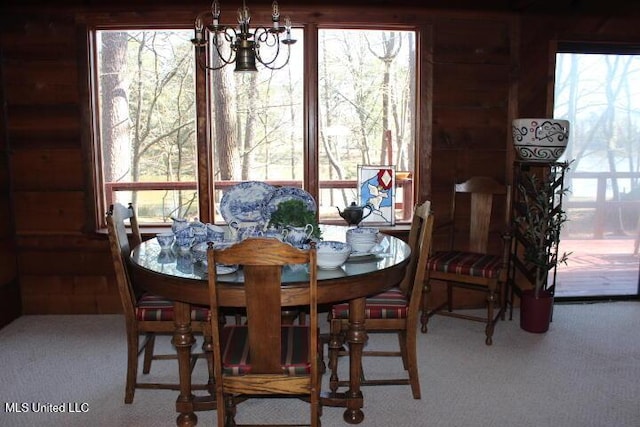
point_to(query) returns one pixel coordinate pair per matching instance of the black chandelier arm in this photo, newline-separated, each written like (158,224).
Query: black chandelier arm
(268,64)
(271,38)
(228,35)
(268,36)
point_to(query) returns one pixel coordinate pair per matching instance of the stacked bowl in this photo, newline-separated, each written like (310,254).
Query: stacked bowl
(362,239)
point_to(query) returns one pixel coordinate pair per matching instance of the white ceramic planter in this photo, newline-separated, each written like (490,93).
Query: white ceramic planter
(540,139)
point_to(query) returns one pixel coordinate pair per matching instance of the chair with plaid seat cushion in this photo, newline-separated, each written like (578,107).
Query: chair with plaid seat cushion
(265,357)
(474,260)
(394,310)
(146,313)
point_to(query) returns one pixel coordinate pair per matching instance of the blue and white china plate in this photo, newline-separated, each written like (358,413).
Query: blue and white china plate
(244,202)
(282,194)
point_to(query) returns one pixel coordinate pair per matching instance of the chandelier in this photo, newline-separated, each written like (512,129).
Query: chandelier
(243,42)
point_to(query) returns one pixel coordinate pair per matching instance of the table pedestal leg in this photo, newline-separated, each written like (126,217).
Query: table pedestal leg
(356,337)
(183,340)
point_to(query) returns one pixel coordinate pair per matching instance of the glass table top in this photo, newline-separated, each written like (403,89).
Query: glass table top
(389,252)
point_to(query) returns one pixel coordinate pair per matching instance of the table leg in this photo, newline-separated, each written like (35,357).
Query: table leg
(356,337)
(183,340)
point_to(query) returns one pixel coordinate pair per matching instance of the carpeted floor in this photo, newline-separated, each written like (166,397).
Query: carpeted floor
(585,371)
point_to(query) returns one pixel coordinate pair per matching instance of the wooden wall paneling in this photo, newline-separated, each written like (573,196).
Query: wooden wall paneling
(64,262)
(424,138)
(468,40)
(42,82)
(50,294)
(49,212)
(66,275)
(44,120)
(10,303)
(47,169)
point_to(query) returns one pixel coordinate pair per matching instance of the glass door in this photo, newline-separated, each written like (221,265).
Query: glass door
(598,90)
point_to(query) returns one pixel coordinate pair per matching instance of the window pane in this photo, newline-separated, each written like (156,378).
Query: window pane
(257,122)
(367,107)
(599,94)
(146,102)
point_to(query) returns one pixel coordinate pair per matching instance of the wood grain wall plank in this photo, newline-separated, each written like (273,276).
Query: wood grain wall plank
(47,169)
(52,294)
(38,212)
(42,82)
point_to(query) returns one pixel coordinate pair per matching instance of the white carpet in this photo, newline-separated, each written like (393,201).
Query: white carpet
(585,371)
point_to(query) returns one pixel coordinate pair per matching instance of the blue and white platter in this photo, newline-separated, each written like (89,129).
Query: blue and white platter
(244,202)
(282,194)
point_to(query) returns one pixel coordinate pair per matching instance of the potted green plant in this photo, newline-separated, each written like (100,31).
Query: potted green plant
(294,214)
(539,220)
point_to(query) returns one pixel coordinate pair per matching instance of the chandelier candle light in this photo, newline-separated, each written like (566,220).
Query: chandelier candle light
(244,43)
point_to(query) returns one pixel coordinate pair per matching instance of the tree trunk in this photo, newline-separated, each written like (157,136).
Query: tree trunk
(224,122)
(116,142)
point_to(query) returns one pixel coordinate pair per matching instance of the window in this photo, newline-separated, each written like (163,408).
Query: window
(367,106)
(146,120)
(147,102)
(257,126)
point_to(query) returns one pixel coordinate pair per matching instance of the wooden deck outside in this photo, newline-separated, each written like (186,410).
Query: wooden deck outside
(598,267)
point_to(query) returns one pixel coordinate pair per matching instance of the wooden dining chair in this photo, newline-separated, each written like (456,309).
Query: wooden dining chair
(146,313)
(483,205)
(264,357)
(395,310)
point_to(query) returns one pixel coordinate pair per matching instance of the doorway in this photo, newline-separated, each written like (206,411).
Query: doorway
(597,88)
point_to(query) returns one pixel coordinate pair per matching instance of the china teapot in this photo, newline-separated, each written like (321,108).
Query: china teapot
(353,214)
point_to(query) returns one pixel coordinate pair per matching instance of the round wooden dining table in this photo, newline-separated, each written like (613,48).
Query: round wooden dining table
(181,278)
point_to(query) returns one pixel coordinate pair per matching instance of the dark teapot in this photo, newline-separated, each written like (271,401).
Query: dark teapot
(353,214)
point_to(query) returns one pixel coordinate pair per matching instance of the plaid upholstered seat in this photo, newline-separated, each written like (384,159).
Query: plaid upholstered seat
(294,350)
(152,307)
(391,304)
(467,263)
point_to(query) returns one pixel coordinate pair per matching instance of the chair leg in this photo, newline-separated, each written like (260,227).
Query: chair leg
(449,297)
(503,300)
(148,352)
(229,412)
(424,315)
(207,349)
(491,298)
(335,344)
(402,343)
(132,365)
(412,362)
